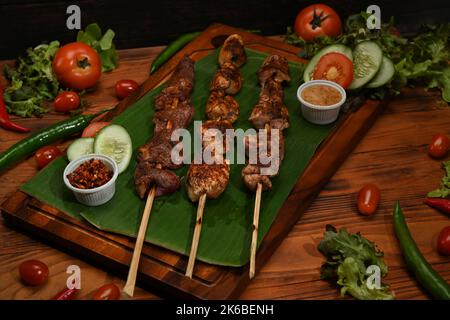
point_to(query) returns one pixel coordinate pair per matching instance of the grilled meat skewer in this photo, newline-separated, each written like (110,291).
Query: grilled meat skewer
(174,111)
(270,108)
(269,113)
(210,180)
(152,176)
(222,110)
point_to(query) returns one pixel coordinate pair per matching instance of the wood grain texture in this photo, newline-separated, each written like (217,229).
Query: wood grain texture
(392,155)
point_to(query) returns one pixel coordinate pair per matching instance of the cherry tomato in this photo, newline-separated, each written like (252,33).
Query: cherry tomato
(66,294)
(317,20)
(91,130)
(67,101)
(33,272)
(368,199)
(77,66)
(107,292)
(334,67)
(439,146)
(443,244)
(125,87)
(45,155)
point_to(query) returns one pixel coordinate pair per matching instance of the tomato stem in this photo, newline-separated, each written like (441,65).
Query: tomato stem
(317,19)
(84,63)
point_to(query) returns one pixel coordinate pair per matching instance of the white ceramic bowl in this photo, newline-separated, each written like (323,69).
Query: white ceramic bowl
(95,196)
(320,114)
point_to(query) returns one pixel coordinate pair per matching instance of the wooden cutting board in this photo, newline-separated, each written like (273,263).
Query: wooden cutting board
(164,269)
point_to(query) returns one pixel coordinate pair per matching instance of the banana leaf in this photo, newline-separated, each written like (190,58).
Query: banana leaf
(227,223)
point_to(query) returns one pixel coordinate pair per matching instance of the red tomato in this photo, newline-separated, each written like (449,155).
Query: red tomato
(125,87)
(368,199)
(77,66)
(33,272)
(45,155)
(317,20)
(91,130)
(107,292)
(67,101)
(443,244)
(439,146)
(66,294)
(335,67)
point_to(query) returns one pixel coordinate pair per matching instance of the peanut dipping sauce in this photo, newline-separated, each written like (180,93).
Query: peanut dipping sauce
(321,95)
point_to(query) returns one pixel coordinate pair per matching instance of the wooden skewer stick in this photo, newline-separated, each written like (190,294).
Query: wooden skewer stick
(256,210)
(132,273)
(196,237)
(251,273)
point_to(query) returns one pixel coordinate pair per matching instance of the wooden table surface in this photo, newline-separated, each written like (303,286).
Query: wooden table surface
(392,155)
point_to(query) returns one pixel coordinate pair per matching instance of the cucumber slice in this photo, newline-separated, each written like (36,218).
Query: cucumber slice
(115,142)
(80,147)
(367,58)
(384,75)
(340,48)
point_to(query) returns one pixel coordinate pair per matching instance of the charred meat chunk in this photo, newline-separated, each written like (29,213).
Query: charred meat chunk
(276,68)
(147,175)
(221,106)
(270,108)
(170,119)
(209,179)
(251,175)
(254,143)
(227,79)
(233,51)
(179,86)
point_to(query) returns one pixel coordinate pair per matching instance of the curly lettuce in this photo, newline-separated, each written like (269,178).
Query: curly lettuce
(444,190)
(348,258)
(32,82)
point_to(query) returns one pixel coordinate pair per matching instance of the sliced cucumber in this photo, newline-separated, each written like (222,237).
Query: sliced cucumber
(340,48)
(115,142)
(80,147)
(367,57)
(384,75)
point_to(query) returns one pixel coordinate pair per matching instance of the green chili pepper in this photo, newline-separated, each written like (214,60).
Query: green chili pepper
(424,273)
(171,49)
(176,46)
(45,137)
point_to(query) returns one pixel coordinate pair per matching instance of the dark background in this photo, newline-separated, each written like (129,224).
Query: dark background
(147,23)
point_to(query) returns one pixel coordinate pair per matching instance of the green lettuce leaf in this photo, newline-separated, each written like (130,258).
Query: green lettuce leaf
(32,81)
(351,276)
(348,257)
(444,83)
(103,44)
(444,190)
